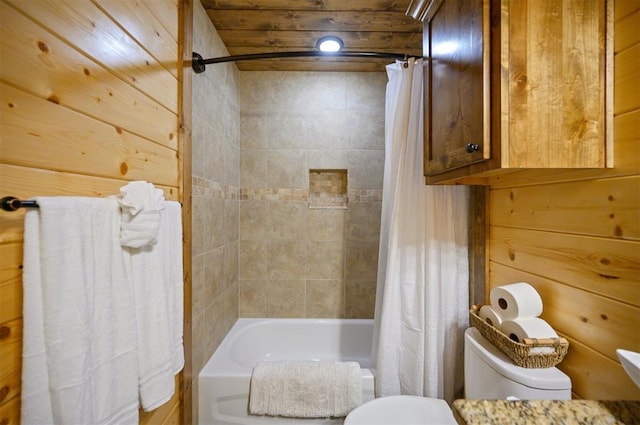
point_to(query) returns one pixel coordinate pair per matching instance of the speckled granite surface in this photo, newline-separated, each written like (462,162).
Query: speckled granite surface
(542,412)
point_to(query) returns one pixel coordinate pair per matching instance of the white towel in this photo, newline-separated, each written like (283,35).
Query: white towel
(170,247)
(141,204)
(156,273)
(305,389)
(79,355)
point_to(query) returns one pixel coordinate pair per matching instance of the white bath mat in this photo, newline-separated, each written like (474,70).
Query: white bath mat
(305,389)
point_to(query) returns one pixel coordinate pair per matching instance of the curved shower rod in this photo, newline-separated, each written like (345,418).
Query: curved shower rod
(198,63)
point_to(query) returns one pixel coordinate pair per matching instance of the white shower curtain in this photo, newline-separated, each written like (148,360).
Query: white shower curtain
(422,294)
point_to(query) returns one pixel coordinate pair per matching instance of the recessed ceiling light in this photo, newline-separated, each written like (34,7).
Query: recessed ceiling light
(329,44)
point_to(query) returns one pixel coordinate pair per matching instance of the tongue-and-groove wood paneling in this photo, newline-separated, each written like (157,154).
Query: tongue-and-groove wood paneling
(89,101)
(575,236)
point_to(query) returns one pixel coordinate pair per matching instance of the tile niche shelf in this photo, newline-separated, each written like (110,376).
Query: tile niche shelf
(328,189)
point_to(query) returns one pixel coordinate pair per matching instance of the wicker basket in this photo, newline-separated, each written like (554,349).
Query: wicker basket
(521,353)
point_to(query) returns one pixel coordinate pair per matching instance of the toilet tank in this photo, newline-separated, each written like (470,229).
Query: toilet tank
(490,374)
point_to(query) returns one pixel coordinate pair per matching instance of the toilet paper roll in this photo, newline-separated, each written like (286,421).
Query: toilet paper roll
(516,301)
(533,327)
(489,315)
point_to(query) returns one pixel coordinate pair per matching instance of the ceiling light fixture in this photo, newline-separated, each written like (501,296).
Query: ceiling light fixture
(329,44)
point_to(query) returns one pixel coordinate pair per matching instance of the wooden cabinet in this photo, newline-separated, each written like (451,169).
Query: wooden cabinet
(515,84)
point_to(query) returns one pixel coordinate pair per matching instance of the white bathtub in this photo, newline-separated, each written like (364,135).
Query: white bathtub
(223,383)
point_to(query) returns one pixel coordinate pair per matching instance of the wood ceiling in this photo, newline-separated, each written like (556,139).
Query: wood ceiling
(260,26)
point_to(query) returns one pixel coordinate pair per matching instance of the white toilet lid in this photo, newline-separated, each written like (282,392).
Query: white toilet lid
(401,410)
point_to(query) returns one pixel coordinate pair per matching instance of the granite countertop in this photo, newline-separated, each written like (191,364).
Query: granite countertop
(541,412)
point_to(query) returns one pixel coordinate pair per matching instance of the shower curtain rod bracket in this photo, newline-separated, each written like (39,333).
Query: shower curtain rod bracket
(199,64)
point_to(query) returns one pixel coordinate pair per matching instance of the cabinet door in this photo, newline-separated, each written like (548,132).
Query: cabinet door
(456,84)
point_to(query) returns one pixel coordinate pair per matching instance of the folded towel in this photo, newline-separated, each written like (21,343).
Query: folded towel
(156,273)
(141,204)
(305,389)
(79,354)
(170,248)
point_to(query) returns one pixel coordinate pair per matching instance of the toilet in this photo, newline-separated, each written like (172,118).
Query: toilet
(488,374)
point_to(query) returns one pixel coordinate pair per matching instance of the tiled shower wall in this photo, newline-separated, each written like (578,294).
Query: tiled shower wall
(258,250)
(295,261)
(216,188)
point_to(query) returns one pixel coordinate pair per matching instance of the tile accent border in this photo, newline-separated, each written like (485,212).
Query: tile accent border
(365,195)
(211,189)
(302,195)
(274,194)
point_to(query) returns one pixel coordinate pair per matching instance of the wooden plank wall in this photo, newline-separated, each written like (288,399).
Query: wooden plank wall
(575,236)
(90,100)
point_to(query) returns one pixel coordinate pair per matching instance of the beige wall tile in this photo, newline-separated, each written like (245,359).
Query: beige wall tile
(213,155)
(362,299)
(213,327)
(253,168)
(287,129)
(213,223)
(198,284)
(325,298)
(252,298)
(213,274)
(252,262)
(197,151)
(324,90)
(363,221)
(287,169)
(361,260)
(230,310)
(285,298)
(199,355)
(328,129)
(327,159)
(231,164)
(285,90)
(365,90)
(253,220)
(230,265)
(253,129)
(286,220)
(253,90)
(215,219)
(292,122)
(325,225)
(230,226)
(198,224)
(366,169)
(286,259)
(366,130)
(325,260)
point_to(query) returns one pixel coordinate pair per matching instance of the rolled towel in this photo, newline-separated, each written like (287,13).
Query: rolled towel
(534,327)
(516,301)
(491,316)
(141,204)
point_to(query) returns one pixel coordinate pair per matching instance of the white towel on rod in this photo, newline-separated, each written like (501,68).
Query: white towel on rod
(170,246)
(156,273)
(79,353)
